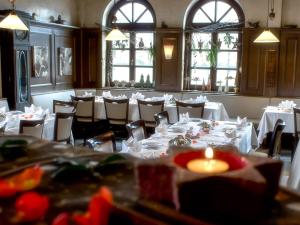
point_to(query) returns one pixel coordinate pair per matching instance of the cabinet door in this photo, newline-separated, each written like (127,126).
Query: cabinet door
(22,77)
(289,70)
(259,65)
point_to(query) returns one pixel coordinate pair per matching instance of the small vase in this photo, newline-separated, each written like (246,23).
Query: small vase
(226,89)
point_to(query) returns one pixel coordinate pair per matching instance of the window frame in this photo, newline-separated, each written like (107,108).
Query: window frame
(192,28)
(132,28)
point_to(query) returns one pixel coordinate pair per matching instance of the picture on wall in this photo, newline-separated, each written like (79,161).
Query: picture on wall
(65,61)
(40,61)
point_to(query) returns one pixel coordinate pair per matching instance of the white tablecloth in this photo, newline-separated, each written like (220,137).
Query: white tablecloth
(269,118)
(212,111)
(13,126)
(245,139)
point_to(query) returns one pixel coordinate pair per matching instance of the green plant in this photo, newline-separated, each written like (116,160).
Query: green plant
(151,52)
(228,39)
(212,55)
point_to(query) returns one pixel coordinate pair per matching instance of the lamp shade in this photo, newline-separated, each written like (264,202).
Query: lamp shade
(168,50)
(13,22)
(115,35)
(266,37)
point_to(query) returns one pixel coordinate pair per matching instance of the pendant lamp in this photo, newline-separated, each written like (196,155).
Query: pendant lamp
(115,34)
(267,36)
(12,21)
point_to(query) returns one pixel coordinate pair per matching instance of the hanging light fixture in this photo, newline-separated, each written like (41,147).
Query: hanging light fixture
(115,34)
(12,21)
(267,36)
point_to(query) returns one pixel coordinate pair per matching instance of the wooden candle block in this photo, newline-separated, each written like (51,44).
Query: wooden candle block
(243,192)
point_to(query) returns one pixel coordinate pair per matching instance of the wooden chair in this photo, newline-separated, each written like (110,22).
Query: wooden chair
(63,106)
(137,130)
(296,131)
(63,127)
(32,127)
(83,125)
(103,143)
(147,110)
(275,143)
(162,117)
(195,110)
(117,115)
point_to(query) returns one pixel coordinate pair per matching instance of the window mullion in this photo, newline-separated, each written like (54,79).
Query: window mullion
(132,56)
(213,69)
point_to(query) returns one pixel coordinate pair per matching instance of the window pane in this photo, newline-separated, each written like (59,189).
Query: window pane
(144,40)
(121,18)
(228,40)
(201,40)
(197,76)
(138,9)
(231,17)
(145,71)
(227,59)
(143,58)
(200,17)
(120,57)
(209,8)
(146,18)
(222,8)
(120,73)
(127,10)
(199,59)
(222,74)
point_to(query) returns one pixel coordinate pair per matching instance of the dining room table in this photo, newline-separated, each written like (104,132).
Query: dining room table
(270,116)
(220,133)
(212,110)
(12,121)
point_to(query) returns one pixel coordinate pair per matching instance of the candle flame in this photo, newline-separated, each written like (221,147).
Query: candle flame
(209,153)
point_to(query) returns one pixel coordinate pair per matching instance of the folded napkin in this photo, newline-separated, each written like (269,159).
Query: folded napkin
(137,96)
(87,94)
(241,122)
(184,117)
(37,111)
(131,145)
(201,98)
(167,97)
(107,94)
(287,104)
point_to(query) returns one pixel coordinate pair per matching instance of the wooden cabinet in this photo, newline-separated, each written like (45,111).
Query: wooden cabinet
(168,69)
(289,67)
(259,65)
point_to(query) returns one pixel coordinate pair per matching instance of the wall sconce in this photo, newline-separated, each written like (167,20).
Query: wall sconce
(168,50)
(169,47)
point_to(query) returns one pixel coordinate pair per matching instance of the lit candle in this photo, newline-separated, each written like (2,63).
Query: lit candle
(208,165)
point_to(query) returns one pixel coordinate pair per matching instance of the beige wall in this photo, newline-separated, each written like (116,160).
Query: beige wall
(173,11)
(46,8)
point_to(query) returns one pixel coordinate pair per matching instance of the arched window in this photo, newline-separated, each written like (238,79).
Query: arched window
(213,40)
(129,60)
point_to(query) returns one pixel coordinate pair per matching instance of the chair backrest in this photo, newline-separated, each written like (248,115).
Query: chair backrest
(84,108)
(4,103)
(195,110)
(296,120)
(63,127)
(147,110)
(137,130)
(63,106)
(32,127)
(275,143)
(162,117)
(116,110)
(103,143)
(294,176)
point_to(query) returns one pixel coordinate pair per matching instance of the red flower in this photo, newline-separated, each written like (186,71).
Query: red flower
(31,206)
(7,189)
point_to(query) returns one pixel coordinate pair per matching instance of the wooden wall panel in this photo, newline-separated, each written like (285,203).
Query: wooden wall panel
(259,65)
(168,75)
(91,56)
(289,79)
